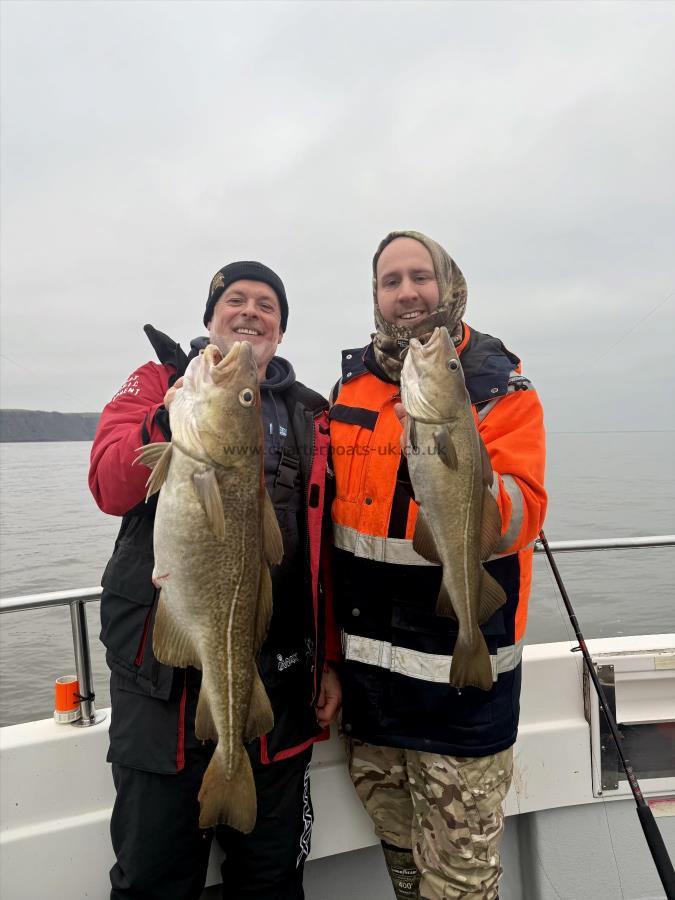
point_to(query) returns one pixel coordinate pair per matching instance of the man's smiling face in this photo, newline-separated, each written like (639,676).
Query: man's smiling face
(248,311)
(407,290)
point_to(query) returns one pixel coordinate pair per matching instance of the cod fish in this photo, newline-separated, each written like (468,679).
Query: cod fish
(215,535)
(458,524)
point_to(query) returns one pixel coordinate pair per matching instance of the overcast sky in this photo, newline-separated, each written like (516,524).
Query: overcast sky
(145,145)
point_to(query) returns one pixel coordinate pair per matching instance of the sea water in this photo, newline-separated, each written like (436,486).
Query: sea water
(602,485)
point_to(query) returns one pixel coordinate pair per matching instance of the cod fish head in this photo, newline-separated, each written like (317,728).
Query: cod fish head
(217,412)
(432,381)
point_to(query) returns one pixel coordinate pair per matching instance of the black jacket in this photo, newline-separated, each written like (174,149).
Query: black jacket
(154,705)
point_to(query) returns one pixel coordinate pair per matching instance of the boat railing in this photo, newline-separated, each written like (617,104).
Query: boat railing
(76,600)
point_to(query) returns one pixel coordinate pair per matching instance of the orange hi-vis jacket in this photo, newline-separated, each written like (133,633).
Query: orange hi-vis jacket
(397,653)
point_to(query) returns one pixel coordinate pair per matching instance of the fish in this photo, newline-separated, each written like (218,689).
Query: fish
(215,536)
(458,523)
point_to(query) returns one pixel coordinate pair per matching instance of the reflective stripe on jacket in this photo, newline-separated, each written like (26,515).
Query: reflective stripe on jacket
(397,652)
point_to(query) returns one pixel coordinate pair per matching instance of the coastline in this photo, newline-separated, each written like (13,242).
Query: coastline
(41,426)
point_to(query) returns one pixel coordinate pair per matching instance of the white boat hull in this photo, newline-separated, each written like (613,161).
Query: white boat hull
(561,840)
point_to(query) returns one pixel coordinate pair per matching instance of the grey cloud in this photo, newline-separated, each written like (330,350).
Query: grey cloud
(144,145)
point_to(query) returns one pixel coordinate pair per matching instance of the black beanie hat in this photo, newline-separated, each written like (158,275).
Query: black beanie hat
(249,271)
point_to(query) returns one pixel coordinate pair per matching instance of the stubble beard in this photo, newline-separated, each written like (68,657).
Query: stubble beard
(222,343)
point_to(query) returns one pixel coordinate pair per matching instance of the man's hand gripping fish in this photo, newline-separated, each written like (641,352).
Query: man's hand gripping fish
(215,535)
(459,524)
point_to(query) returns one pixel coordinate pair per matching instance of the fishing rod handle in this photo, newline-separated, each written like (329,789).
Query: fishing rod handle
(658,850)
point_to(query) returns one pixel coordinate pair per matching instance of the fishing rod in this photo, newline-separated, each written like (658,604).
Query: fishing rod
(657,848)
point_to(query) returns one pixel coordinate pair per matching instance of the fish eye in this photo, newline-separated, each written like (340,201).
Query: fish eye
(246,397)
(453,365)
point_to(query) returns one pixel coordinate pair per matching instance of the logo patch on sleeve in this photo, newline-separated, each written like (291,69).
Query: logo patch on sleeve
(130,386)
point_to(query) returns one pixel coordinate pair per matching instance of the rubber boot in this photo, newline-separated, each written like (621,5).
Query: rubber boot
(402,871)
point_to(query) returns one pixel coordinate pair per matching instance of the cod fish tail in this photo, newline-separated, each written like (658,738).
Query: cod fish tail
(228,802)
(471,665)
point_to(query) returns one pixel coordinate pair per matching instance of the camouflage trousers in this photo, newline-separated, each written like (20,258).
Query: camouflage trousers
(447,808)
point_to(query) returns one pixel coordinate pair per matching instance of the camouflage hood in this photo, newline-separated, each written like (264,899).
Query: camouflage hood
(391,341)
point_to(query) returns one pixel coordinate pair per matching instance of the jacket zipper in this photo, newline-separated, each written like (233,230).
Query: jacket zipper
(308,555)
(144,639)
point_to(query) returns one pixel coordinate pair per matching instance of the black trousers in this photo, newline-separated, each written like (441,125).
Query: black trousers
(162,854)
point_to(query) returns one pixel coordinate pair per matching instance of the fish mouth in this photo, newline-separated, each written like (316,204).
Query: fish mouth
(435,351)
(431,344)
(426,387)
(218,367)
(421,356)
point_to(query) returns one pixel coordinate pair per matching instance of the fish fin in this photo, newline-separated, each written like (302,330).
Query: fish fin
(205,728)
(471,666)
(150,454)
(444,604)
(157,457)
(411,434)
(445,448)
(170,643)
(273,545)
(492,597)
(423,539)
(486,462)
(490,526)
(260,716)
(224,801)
(206,485)
(263,613)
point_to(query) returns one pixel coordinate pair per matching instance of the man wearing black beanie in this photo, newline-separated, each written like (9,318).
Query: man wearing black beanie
(246,271)
(157,761)
(247,302)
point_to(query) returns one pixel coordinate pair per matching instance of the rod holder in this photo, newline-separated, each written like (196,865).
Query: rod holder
(78,620)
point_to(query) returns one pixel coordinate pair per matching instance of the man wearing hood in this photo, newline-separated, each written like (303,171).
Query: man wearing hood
(157,761)
(431,764)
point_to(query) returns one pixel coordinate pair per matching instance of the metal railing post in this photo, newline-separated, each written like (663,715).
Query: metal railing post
(78,619)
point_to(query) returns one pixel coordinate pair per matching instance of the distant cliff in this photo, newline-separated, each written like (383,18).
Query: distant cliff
(18,425)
